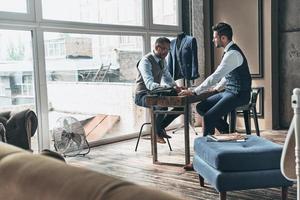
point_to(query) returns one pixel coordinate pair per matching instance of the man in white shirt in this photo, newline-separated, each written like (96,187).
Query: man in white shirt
(232,74)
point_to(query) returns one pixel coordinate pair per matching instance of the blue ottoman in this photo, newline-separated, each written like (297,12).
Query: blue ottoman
(227,166)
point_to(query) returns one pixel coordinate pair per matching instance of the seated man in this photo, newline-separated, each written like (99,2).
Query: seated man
(233,74)
(152,74)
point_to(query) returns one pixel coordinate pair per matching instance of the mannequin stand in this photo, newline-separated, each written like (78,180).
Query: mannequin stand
(186,83)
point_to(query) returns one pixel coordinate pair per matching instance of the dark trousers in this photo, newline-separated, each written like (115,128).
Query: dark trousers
(162,120)
(215,107)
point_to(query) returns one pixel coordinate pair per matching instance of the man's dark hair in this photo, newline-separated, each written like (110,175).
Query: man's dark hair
(162,40)
(223,29)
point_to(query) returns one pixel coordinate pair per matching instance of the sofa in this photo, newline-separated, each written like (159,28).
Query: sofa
(20,127)
(27,176)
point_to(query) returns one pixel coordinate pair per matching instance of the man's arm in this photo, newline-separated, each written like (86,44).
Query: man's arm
(230,61)
(221,85)
(145,69)
(167,78)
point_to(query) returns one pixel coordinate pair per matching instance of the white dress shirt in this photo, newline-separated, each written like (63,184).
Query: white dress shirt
(231,60)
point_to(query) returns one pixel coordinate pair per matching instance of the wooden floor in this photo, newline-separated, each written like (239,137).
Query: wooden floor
(120,159)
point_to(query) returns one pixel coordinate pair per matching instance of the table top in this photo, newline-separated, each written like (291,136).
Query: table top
(173,101)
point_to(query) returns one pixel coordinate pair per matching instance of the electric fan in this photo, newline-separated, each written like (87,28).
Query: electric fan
(69,137)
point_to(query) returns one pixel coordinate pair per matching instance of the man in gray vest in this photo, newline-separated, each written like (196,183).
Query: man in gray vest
(153,73)
(232,74)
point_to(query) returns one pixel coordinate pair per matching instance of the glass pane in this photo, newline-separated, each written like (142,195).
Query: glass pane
(165,12)
(119,12)
(16,72)
(91,78)
(19,6)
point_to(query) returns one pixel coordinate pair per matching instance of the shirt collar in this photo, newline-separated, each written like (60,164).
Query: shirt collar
(157,59)
(227,46)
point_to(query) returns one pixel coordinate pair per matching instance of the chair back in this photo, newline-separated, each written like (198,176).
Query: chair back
(254,94)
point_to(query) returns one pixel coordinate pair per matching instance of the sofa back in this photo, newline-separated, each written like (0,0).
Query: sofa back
(26,176)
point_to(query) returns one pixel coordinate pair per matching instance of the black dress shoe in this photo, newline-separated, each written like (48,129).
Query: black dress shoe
(164,134)
(160,140)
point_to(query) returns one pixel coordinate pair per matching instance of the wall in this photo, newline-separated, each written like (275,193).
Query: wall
(289,57)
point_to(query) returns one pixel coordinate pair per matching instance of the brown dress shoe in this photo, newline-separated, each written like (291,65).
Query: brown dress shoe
(160,140)
(189,167)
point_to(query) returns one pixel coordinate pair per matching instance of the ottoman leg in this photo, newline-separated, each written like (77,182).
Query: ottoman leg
(201,179)
(284,193)
(222,195)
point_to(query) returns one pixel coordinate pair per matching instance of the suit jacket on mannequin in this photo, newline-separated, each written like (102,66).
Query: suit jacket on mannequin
(183,58)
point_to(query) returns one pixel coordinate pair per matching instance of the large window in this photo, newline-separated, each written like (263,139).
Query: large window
(123,12)
(90,80)
(83,54)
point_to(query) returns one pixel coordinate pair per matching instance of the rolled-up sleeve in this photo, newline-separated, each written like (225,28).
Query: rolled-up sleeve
(167,78)
(231,60)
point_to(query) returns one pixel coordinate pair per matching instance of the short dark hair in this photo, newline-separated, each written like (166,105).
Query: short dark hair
(223,29)
(162,40)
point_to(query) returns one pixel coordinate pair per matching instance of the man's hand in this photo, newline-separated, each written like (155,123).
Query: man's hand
(186,93)
(213,90)
(179,88)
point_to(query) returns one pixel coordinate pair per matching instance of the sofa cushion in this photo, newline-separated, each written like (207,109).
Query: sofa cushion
(255,153)
(33,177)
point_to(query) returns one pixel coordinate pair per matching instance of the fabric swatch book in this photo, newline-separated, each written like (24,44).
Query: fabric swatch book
(227,137)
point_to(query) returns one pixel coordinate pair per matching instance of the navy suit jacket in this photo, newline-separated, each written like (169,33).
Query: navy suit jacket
(187,58)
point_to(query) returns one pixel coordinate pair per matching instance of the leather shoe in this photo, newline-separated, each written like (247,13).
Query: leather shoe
(189,167)
(164,134)
(160,140)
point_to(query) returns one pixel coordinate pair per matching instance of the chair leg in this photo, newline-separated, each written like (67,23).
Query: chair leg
(222,195)
(255,121)
(284,193)
(169,144)
(232,121)
(140,134)
(201,179)
(247,121)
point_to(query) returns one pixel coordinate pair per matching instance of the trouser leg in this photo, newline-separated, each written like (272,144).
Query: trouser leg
(204,106)
(219,105)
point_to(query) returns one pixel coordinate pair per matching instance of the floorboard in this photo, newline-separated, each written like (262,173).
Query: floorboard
(120,160)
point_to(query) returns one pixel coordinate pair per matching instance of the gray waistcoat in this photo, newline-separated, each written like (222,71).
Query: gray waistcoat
(156,72)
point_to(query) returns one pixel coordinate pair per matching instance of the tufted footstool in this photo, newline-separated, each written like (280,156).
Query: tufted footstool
(228,166)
